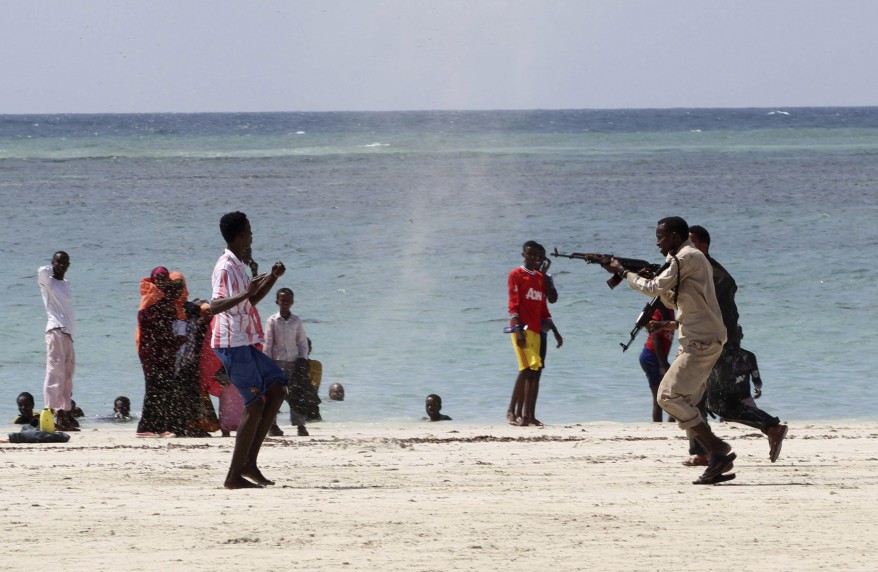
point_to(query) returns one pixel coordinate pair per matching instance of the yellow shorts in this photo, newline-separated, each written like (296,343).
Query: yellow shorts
(528,356)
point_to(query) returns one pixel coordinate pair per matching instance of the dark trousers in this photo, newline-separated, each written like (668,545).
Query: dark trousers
(723,399)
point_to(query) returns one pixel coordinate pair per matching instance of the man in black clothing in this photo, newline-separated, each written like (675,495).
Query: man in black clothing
(722,395)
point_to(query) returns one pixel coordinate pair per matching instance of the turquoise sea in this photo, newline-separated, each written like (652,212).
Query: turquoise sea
(398,231)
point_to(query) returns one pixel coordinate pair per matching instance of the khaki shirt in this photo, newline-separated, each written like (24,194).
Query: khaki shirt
(698,312)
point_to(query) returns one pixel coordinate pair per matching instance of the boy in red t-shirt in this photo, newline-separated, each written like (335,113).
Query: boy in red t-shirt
(528,312)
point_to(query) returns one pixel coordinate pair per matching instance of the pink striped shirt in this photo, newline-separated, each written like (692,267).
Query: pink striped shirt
(238,326)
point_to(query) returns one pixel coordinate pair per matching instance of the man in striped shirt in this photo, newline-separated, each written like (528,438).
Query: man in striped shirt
(235,339)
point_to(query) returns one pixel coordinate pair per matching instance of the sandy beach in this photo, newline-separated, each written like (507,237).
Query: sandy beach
(444,496)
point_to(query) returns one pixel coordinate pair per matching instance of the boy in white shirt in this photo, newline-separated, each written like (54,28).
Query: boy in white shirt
(287,344)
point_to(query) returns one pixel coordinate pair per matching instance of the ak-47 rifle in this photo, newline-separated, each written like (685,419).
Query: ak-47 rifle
(646,314)
(633,264)
(642,320)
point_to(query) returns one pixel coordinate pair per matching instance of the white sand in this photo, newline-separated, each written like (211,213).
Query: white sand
(444,496)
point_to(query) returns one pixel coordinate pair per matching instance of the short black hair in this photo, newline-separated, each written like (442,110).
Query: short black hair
(26,395)
(283,291)
(677,225)
(232,224)
(123,399)
(701,233)
(530,244)
(436,398)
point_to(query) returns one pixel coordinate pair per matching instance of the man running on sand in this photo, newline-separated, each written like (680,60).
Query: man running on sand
(686,284)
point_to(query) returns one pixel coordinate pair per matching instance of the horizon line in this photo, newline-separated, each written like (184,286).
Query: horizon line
(438,110)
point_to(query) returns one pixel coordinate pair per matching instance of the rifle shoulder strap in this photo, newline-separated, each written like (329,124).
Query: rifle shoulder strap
(677,287)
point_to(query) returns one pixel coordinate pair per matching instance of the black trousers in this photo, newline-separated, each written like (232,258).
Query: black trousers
(723,399)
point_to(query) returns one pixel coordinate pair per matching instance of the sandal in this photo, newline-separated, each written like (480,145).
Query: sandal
(719,464)
(721,478)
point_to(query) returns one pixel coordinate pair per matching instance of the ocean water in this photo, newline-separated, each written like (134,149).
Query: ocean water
(398,231)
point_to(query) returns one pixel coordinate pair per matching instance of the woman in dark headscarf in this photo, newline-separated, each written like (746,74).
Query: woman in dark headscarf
(157,348)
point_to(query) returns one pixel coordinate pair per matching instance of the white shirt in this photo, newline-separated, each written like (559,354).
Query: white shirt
(58,299)
(285,340)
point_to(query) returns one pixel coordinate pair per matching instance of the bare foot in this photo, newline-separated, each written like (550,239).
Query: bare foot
(536,422)
(697,461)
(510,418)
(520,422)
(240,483)
(254,474)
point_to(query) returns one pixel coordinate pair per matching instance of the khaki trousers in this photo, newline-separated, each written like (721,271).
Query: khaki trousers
(684,383)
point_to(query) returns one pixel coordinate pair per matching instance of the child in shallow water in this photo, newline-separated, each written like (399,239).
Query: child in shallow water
(25,402)
(122,409)
(433,405)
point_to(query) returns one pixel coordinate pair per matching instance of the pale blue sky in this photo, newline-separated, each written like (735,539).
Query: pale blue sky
(189,56)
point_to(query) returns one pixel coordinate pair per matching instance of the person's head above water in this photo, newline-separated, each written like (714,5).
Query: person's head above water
(433,405)
(336,392)
(25,402)
(122,407)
